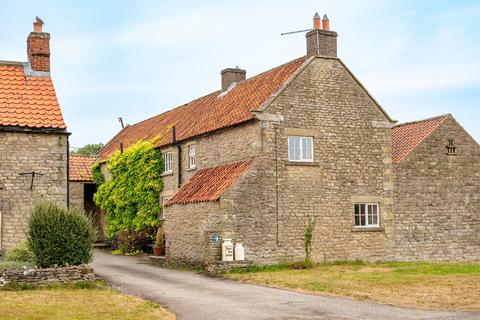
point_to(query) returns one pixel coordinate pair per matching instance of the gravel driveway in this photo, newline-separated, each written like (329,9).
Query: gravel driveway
(194,296)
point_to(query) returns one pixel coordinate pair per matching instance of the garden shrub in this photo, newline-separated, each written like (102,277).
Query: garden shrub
(15,264)
(303,264)
(20,252)
(133,241)
(58,236)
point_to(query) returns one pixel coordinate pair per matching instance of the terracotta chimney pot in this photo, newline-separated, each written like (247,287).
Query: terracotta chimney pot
(316,21)
(325,23)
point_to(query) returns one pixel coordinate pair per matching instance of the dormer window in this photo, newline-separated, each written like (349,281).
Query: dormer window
(451,149)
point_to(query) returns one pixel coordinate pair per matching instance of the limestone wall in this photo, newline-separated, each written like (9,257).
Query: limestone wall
(21,152)
(190,229)
(352,163)
(438,199)
(77,195)
(47,275)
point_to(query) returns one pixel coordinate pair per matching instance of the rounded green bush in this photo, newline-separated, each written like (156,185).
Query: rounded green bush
(20,252)
(58,236)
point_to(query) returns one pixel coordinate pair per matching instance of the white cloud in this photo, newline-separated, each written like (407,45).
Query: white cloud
(160,60)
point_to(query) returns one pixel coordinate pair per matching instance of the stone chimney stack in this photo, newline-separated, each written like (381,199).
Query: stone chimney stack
(38,47)
(231,75)
(320,40)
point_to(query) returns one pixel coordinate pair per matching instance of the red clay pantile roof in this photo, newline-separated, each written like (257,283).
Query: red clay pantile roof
(209,184)
(27,101)
(209,113)
(81,168)
(406,136)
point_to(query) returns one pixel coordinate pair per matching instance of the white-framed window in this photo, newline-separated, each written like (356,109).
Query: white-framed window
(367,215)
(300,148)
(168,162)
(191,157)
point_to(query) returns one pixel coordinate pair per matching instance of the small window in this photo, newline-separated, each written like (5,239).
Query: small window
(367,215)
(191,157)
(168,162)
(300,148)
(451,149)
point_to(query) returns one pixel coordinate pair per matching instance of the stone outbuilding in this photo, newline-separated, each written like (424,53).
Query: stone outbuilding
(258,159)
(82,189)
(33,139)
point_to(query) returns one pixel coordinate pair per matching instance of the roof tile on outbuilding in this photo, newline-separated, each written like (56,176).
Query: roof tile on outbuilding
(407,136)
(81,168)
(209,184)
(212,112)
(27,101)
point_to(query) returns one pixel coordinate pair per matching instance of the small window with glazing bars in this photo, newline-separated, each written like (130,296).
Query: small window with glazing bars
(451,149)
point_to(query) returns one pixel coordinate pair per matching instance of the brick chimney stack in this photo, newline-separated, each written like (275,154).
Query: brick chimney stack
(38,47)
(231,75)
(320,40)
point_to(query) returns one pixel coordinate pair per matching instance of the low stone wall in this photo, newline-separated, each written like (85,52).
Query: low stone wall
(225,266)
(48,275)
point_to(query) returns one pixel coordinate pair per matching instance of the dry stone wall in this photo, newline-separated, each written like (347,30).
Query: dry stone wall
(47,275)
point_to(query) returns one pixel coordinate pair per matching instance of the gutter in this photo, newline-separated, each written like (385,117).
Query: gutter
(34,130)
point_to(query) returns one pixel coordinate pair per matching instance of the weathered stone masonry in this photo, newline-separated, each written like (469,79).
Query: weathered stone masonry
(437,199)
(428,203)
(33,139)
(46,275)
(24,152)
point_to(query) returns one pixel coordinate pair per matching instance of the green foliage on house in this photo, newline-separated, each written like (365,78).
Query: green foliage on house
(129,196)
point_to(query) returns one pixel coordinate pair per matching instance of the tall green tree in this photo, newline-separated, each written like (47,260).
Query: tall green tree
(130,196)
(88,149)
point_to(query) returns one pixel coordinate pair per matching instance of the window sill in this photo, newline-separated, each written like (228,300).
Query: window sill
(169,173)
(368,229)
(192,169)
(303,163)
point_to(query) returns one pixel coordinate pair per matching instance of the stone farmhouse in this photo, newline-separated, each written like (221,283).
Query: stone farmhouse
(259,158)
(33,138)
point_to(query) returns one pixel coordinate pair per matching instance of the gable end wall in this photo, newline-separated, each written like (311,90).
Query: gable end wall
(437,199)
(22,152)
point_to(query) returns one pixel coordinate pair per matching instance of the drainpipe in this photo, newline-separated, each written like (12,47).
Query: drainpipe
(275,127)
(179,156)
(68,171)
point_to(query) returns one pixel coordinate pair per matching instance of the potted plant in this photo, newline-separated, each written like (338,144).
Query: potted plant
(158,247)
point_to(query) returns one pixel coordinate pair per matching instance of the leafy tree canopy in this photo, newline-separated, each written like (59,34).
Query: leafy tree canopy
(130,195)
(88,150)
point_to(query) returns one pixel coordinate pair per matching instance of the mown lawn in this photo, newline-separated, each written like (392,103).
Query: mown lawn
(75,302)
(424,285)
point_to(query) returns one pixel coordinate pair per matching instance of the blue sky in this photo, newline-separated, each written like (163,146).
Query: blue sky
(136,59)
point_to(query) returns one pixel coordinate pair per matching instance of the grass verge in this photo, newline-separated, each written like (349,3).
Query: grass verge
(453,286)
(91,300)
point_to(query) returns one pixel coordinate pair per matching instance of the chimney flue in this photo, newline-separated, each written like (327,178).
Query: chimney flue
(325,23)
(232,75)
(321,41)
(38,47)
(316,21)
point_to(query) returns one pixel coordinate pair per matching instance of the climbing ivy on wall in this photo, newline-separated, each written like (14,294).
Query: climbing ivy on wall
(130,196)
